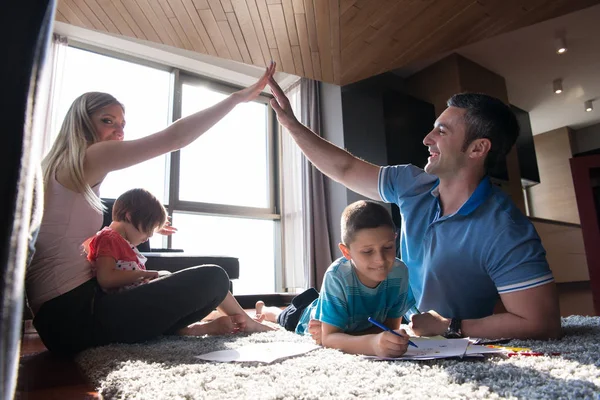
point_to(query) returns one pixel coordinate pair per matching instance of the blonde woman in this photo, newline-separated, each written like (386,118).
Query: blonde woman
(71,312)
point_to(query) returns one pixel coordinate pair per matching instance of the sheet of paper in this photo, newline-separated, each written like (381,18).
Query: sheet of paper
(475,349)
(430,349)
(260,352)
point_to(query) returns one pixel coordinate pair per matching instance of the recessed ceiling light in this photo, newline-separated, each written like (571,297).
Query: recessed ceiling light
(561,45)
(588,106)
(557,86)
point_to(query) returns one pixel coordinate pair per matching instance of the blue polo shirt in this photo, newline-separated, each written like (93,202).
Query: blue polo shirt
(459,263)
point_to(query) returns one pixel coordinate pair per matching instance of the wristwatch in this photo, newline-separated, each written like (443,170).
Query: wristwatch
(454,330)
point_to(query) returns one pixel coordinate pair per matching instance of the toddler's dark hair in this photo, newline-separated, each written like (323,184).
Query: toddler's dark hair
(140,208)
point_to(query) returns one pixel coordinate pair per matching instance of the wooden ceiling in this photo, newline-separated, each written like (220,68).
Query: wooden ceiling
(336,41)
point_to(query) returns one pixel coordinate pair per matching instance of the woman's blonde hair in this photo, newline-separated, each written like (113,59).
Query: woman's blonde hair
(76,134)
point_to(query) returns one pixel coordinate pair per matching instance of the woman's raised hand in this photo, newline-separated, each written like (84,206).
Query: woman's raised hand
(251,92)
(281,105)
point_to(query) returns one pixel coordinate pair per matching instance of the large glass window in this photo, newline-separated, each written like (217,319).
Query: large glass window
(221,190)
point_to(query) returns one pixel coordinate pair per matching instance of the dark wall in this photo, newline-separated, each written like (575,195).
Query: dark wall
(530,174)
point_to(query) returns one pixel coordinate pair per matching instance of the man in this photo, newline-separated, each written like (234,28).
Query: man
(463,240)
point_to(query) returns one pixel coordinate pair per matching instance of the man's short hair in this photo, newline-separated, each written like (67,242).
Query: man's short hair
(487,117)
(140,208)
(363,214)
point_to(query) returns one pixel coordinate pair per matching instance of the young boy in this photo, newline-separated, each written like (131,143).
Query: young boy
(368,281)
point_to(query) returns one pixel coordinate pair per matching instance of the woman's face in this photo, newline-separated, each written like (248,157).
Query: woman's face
(109,123)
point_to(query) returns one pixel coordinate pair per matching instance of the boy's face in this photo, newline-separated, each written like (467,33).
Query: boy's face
(373,252)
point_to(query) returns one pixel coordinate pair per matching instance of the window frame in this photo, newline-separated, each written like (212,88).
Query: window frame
(173,160)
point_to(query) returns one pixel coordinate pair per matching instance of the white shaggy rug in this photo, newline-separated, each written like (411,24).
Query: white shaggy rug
(167,369)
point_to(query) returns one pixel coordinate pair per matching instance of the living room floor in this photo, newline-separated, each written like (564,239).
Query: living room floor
(45,376)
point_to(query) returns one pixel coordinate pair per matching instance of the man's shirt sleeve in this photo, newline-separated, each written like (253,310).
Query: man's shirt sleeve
(399,181)
(517,259)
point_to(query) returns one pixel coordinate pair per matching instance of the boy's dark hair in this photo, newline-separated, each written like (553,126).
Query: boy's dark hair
(487,117)
(140,208)
(363,214)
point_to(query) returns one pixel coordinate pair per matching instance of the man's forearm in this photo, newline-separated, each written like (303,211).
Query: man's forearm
(507,325)
(327,157)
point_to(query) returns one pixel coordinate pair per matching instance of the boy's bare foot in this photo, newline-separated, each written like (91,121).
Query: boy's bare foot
(258,315)
(264,313)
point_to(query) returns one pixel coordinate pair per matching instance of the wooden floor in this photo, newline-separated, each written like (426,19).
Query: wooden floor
(45,376)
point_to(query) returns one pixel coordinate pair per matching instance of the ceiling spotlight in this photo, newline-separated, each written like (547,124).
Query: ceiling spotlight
(561,45)
(588,106)
(557,86)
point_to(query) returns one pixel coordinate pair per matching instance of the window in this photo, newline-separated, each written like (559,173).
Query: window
(221,190)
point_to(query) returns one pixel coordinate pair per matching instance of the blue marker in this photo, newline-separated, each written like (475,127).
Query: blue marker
(385,328)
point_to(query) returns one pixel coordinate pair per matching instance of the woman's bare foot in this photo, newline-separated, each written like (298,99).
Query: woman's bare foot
(221,326)
(264,313)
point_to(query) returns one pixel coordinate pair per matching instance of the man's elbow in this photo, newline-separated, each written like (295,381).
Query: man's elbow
(550,329)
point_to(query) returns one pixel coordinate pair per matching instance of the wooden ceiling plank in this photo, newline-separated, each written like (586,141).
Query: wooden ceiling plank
(193,14)
(281,35)
(81,15)
(239,37)
(201,4)
(230,40)
(436,40)
(324,32)
(376,45)
(346,5)
(316,65)
(59,16)
(269,2)
(290,22)
(227,7)
(297,55)
(298,6)
(187,44)
(336,53)
(164,4)
(71,17)
(129,19)
(208,19)
(259,29)
(90,15)
(155,22)
(304,46)
(240,7)
(350,14)
(312,27)
(266,22)
(400,19)
(275,57)
(354,27)
(187,25)
(166,23)
(116,18)
(97,9)
(139,17)
(217,9)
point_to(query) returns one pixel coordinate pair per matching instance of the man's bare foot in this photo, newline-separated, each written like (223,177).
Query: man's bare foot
(264,313)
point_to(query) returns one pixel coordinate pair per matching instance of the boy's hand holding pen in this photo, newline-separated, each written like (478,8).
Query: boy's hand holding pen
(385,328)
